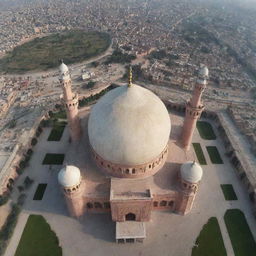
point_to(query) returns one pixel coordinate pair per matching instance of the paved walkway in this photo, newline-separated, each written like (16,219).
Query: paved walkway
(4,211)
(14,242)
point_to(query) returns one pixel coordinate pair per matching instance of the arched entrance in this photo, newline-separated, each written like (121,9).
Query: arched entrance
(130,217)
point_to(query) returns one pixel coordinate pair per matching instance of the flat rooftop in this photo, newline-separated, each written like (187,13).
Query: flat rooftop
(130,189)
(130,229)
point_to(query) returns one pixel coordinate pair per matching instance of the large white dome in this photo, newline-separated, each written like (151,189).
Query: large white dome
(69,176)
(191,172)
(129,126)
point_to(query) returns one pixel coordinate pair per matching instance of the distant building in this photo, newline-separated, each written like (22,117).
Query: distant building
(87,75)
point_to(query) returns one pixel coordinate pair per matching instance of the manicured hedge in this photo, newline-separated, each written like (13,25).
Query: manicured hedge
(38,239)
(199,153)
(54,159)
(210,241)
(205,130)
(56,132)
(228,192)
(40,191)
(214,155)
(239,232)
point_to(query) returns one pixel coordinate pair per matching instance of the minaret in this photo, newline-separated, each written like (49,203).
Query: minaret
(194,108)
(190,176)
(71,183)
(71,103)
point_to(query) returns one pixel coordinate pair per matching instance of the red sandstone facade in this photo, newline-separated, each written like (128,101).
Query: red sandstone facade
(131,202)
(135,171)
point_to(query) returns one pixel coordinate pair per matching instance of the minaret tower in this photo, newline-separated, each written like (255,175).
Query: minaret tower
(190,176)
(71,103)
(194,108)
(71,183)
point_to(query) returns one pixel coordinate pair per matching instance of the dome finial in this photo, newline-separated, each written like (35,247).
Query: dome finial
(130,77)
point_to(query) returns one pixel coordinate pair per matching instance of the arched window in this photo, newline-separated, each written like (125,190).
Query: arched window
(106,205)
(130,216)
(89,205)
(133,171)
(155,204)
(163,203)
(127,171)
(97,205)
(171,203)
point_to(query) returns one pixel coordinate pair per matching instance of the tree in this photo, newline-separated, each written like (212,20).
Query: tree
(12,124)
(34,141)
(50,113)
(90,84)
(95,64)
(22,164)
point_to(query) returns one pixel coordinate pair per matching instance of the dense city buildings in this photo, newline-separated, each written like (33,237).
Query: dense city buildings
(80,118)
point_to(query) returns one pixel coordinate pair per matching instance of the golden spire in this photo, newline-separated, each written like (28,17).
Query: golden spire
(130,77)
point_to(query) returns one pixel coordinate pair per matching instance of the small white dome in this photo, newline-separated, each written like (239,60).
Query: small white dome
(191,172)
(204,72)
(63,68)
(69,176)
(129,126)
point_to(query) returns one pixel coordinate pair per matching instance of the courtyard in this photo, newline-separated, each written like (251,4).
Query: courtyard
(168,234)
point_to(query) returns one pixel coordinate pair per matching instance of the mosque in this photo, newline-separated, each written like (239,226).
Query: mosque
(125,159)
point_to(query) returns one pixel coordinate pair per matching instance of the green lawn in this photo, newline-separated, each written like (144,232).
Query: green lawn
(45,52)
(38,239)
(228,192)
(54,159)
(56,132)
(214,155)
(239,232)
(205,130)
(210,241)
(40,191)
(199,153)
